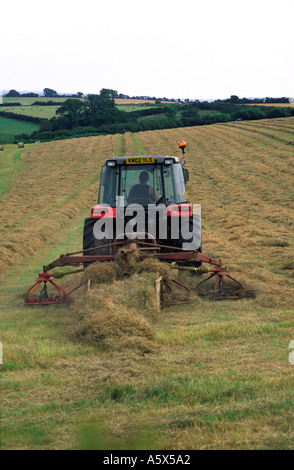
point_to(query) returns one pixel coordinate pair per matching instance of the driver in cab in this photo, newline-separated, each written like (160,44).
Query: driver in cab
(142,190)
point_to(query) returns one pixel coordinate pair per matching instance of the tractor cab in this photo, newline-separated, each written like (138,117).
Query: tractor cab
(143,196)
(143,180)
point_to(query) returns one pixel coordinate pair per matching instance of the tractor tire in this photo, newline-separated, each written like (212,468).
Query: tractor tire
(194,243)
(89,240)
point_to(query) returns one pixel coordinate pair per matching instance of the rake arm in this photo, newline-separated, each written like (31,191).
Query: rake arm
(145,249)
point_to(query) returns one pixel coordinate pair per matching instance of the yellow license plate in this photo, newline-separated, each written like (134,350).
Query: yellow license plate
(139,160)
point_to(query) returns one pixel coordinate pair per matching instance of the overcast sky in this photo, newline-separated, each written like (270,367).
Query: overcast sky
(196,49)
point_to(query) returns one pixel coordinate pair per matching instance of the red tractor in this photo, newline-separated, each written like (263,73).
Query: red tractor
(142,205)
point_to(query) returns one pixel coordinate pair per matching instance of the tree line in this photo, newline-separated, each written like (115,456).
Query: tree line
(98,114)
(47,92)
(50,93)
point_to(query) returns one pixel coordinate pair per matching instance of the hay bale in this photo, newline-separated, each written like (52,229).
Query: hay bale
(20,145)
(1,147)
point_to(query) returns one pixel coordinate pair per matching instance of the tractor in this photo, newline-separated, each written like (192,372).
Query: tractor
(143,206)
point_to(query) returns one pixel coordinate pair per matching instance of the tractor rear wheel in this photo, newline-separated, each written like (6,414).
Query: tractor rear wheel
(194,243)
(89,240)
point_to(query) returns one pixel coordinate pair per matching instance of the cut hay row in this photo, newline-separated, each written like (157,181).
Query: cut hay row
(56,184)
(246,196)
(108,315)
(266,168)
(278,124)
(271,132)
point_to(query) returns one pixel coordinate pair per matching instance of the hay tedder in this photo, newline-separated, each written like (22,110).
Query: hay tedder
(166,227)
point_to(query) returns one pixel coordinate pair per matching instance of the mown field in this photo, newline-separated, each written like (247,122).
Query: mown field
(214,375)
(279,105)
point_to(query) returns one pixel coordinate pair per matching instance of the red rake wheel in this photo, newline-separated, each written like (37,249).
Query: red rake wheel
(221,291)
(172,298)
(44,298)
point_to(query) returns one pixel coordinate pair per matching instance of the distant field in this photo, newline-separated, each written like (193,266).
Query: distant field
(11,127)
(29,101)
(156,117)
(46,112)
(134,101)
(279,105)
(134,107)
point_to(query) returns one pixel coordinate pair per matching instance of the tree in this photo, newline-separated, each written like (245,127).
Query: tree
(234,99)
(190,115)
(72,110)
(30,95)
(12,93)
(49,93)
(108,93)
(102,110)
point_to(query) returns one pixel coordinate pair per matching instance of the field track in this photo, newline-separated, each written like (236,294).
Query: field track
(221,378)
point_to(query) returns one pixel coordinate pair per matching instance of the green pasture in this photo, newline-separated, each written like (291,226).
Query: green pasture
(46,112)
(135,107)
(29,101)
(11,127)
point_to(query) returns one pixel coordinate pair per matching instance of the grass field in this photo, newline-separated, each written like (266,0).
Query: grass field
(134,107)
(11,127)
(27,109)
(218,374)
(46,112)
(134,102)
(30,101)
